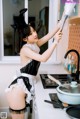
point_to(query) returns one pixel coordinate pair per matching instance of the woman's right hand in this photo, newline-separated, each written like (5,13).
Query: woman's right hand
(58,36)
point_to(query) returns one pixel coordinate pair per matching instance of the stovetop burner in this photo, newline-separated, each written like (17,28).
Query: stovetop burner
(47,83)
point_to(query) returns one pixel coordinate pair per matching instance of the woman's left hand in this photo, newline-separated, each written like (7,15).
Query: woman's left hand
(58,35)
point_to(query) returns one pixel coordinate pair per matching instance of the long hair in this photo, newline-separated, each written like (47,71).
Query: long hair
(24,32)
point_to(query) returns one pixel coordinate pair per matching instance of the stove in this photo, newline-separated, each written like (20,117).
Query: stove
(63,78)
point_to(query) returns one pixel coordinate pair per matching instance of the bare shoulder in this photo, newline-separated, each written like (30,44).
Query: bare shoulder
(24,54)
(24,48)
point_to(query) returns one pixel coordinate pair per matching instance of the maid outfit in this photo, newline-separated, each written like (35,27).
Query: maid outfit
(27,76)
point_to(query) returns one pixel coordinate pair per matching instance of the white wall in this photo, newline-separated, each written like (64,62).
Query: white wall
(62,46)
(7,73)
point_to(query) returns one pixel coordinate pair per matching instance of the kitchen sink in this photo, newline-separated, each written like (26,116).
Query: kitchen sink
(63,78)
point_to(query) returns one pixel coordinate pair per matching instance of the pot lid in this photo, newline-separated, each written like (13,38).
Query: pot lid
(72,88)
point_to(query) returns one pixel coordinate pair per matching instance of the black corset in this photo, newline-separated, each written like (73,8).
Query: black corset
(31,68)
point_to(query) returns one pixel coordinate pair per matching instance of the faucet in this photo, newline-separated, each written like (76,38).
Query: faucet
(77,72)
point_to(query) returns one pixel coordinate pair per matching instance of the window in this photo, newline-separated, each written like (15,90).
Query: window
(8,49)
(13,12)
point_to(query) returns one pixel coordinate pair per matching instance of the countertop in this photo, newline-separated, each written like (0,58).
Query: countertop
(46,110)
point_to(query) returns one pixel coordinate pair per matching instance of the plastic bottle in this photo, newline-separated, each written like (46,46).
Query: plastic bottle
(73,65)
(69,62)
(66,63)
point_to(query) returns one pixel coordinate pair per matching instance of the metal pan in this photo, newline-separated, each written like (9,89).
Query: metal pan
(68,93)
(73,112)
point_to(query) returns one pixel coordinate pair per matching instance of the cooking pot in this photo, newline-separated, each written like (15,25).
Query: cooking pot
(68,93)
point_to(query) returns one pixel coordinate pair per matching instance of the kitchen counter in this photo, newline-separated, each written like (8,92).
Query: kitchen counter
(46,110)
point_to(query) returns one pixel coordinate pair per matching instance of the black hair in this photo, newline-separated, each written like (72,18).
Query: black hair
(25,31)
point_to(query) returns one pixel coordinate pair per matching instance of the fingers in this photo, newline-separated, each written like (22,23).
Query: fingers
(60,32)
(60,27)
(58,35)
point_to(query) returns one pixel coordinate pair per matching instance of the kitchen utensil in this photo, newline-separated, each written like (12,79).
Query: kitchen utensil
(57,104)
(68,93)
(68,8)
(73,112)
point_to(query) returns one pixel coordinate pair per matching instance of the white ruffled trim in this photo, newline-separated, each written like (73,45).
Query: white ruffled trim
(21,84)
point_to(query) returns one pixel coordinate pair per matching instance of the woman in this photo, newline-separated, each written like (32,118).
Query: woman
(21,90)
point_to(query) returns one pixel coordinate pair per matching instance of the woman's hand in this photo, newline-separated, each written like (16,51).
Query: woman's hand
(58,36)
